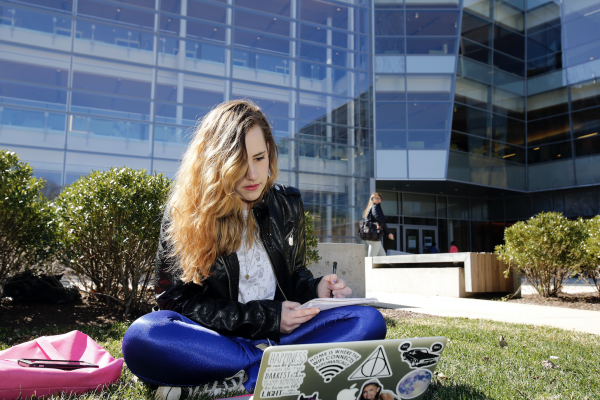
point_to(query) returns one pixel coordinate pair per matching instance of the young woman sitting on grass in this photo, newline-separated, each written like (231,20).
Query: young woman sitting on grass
(231,268)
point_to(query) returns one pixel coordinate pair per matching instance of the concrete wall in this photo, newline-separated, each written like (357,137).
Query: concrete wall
(351,264)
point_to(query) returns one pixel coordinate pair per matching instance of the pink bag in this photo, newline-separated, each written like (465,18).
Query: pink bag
(16,380)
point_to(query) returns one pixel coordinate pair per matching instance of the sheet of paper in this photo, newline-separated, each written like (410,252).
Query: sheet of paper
(326,304)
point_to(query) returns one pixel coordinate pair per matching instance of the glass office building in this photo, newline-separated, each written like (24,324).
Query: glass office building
(467,115)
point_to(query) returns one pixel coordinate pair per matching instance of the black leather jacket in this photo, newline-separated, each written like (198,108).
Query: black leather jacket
(214,304)
(376,215)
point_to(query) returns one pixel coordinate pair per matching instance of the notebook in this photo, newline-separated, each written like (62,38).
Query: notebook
(394,369)
(327,304)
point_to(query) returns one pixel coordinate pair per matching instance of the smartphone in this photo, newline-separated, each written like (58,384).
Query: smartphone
(59,364)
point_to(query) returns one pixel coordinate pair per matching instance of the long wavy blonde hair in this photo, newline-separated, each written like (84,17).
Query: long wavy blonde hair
(371,202)
(206,213)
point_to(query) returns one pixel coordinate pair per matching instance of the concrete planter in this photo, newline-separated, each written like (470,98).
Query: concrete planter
(351,264)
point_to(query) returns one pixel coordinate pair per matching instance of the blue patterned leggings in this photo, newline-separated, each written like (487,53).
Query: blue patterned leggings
(167,349)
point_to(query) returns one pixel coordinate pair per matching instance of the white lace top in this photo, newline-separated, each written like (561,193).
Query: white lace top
(257,281)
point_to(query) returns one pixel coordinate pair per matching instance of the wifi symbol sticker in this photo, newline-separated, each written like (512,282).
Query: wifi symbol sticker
(331,362)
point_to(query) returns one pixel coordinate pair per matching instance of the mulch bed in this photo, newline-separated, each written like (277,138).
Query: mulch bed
(581,301)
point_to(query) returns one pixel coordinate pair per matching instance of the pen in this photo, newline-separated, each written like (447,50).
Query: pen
(334,271)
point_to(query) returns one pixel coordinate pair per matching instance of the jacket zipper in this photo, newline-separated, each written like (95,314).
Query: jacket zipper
(267,249)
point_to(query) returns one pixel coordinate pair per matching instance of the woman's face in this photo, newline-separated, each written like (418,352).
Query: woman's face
(376,199)
(369,392)
(252,185)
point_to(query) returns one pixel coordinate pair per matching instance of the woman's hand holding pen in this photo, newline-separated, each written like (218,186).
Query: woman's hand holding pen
(331,283)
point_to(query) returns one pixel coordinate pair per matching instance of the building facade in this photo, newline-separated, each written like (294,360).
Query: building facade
(466,115)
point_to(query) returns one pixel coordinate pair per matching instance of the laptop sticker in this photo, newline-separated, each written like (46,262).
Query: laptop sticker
(331,362)
(375,366)
(348,394)
(314,396)
(420,357)
(284,375)
(414,383)
(374,390)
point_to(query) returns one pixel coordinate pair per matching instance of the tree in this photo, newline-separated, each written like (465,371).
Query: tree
(591,246)
(312,254)
(108,224)
(25,217)
(545,249)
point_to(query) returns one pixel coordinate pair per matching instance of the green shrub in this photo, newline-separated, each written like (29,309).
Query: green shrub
(25,231)
(592,250)
(545,249)
(312,255)
(108,224)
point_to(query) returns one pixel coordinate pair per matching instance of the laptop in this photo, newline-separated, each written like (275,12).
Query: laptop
(369,370)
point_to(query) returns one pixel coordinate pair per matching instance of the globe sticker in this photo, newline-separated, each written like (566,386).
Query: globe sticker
(404,346)
(331,362)
(414,383)
(375,366)
(437,347)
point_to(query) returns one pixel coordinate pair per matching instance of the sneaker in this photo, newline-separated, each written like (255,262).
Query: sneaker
(231,384)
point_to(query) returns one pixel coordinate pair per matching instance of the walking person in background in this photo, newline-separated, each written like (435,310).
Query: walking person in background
(453,248)
(374,213)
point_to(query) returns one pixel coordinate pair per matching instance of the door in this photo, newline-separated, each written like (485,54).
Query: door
(419,238)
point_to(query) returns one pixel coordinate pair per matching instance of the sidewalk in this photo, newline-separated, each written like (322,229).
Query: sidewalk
(564,318)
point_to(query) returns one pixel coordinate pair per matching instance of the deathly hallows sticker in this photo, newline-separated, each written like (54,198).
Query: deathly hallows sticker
(376,365)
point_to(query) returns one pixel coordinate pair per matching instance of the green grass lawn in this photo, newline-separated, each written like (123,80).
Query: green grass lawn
(473,365)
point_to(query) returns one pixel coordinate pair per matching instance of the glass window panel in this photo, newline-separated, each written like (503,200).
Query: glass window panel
(475,52)
(23,18)
(319,34)
(544,16)
(578,8)
(509,64)
(508,174)
(169,24)
(429,87)
(178,114)
(320,12)
(479,210)
(471,93)
(209,53)
(508,152)
(389,203)
(208,11)
(509,16)
(551,175)
(261,41)
(580,204)
(474,70)
(588,145)
(389,23)
(544,43)
(390,87)
(33,96)
(111,84)
(389,45)
(476,29)
(509,82)
(78,164)
(431,3)
(587,170)
(389,140)
(508,130)
(171,141)
(323,54)
(429,115)
(544,64)
(63,5)
(390,115)
(418,205)
(24,127)
(585,95)
(24,72)
(548,130)
(508,104)
(431,23)
(479,7)
(278,7)
(584,53)
(551,152)
(202,97)
(458,208)
(203,30)
(471,120)
(547,82)
(468,168)
(518,208)
(435,46)
(108,136)
(586,123)
(470,144)
(582,30)
(548,103)
(116,13)
(542,203)
(261,22)
(114,106)
(272,101)
(104,40)
(246,65)
(441,207)
(428,140)
(509,42)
